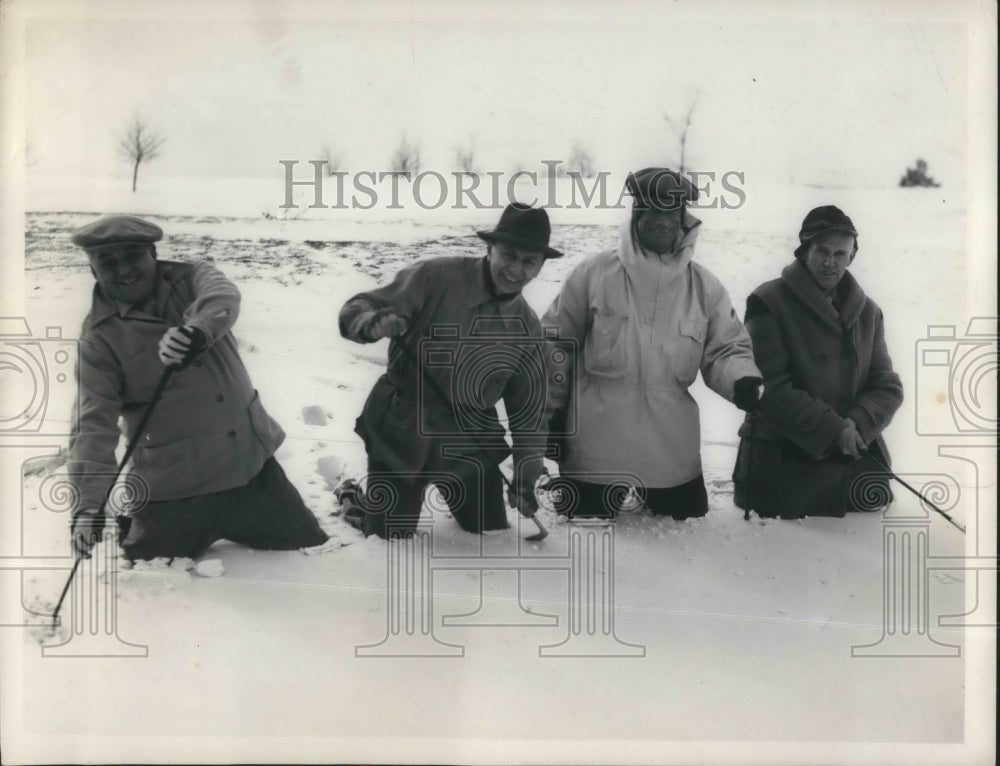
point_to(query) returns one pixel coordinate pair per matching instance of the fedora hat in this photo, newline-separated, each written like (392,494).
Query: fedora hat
(523,227)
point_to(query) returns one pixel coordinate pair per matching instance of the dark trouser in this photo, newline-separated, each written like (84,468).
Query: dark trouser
(473,492)
(580,499)
(266,513)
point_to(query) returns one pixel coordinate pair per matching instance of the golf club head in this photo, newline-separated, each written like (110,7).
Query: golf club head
(540,535)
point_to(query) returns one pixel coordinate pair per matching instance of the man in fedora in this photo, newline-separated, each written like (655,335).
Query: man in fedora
(205,458)
(462,338)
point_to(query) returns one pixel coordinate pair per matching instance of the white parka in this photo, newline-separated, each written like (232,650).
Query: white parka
(642,327)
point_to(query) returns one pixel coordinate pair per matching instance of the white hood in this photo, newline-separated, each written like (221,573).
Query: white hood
(647,269)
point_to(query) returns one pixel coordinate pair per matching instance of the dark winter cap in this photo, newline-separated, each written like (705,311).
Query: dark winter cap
(823,220)
(524,227)
(117,229)
(660,189)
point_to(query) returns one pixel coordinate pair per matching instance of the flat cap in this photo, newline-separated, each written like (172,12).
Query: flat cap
(823,220)
(117,229)
(660,189)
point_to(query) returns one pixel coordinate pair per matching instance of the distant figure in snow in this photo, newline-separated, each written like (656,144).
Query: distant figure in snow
(462,338)
(918,176)
(207,453)
(646,318)
(830,389)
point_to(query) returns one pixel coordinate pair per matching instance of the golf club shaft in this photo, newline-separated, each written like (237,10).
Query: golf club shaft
(65,590)
(143,422)
(886,468)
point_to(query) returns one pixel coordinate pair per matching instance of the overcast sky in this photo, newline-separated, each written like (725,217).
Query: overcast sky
(815,99)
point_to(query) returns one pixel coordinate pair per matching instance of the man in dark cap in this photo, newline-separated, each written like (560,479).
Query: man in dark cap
(205,460)
(462,338)
(647,318)
(830,387)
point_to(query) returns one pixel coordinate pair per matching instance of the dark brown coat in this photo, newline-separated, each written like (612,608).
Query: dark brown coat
(464,345)
(821,364)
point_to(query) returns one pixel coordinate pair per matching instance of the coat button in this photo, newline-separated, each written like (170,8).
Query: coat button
(197,363)
(232,434)
(219,397)
(878,417)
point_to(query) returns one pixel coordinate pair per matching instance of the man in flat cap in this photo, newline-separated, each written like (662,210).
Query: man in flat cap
(206,456)
(647,318)
(831,388)
(462,338)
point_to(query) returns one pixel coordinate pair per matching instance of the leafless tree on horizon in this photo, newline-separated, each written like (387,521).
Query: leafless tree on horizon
(139,144)
(333,161)
(581,161)
(681,128)
(406,158)
(465,157)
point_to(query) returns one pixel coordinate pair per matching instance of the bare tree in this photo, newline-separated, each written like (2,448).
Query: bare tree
(680,129)
(406,158)
(333,161)
(581,161)
(139,144)
(465,157)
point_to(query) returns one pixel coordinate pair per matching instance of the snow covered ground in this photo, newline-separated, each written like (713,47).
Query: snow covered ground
(747,627)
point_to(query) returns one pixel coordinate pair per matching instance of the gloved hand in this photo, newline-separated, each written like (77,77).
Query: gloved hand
(747,393)
(180,345)
(85,530)
(384,324)
(849,441)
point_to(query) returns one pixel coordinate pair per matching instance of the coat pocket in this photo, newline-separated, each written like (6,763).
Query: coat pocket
(759,458)
(170,469)
(689,349)
(268,432)
(605,353)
